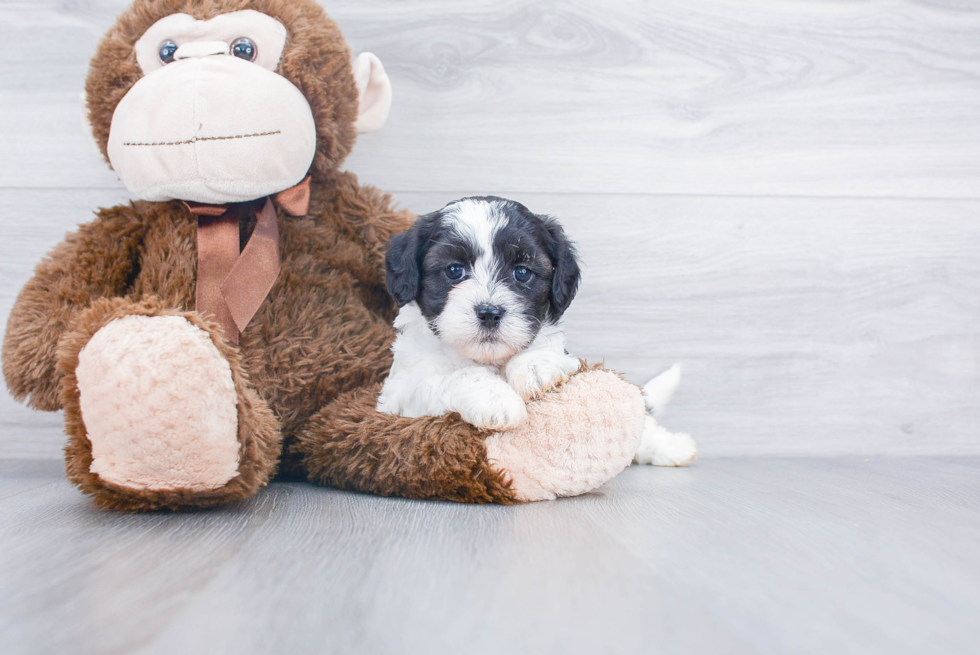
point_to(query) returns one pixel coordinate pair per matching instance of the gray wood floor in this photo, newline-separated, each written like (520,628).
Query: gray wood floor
(731,556)
(782,196)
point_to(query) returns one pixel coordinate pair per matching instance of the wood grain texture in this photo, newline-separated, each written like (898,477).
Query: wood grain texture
(730,556)
(708,97)
(877,98)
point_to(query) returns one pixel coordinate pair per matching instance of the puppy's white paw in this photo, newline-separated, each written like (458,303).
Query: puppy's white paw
(536,371)
(498,408)
(662,448)
(486,401)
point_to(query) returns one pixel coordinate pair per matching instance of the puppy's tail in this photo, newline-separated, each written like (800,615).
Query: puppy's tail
(657,445)
(658,391)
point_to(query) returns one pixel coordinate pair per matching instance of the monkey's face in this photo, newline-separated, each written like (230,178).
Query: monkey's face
(210,120)
(214,117)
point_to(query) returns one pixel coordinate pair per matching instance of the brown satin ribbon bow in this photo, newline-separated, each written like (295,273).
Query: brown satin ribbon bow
(231,286)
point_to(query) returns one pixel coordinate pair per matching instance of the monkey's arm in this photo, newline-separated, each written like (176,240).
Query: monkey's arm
(96,261)
(351,445)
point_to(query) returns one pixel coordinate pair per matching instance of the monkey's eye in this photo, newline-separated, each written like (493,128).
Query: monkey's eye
(523,274)
(166,51)
(243,48)
(455,272)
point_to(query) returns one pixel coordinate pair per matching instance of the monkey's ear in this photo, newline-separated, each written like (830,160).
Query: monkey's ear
(373,93)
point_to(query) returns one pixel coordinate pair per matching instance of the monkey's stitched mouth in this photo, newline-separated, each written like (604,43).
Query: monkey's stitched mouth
(200,138)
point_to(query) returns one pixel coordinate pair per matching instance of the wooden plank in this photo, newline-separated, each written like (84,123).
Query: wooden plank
(232,581)
(875,98)
(18,476)
(806,327)
(853,555)
(730,556)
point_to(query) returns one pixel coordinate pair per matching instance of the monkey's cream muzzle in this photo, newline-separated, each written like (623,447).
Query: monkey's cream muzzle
(214,128)
(211,128)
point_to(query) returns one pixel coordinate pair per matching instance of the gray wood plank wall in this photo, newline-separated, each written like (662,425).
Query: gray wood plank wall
(782,196)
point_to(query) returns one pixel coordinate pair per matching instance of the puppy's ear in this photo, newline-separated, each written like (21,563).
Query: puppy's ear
(403,261)
(567,275)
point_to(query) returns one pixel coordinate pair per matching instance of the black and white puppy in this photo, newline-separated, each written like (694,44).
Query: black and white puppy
(481,285)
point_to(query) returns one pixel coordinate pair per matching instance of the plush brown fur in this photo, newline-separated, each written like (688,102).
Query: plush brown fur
(307,366)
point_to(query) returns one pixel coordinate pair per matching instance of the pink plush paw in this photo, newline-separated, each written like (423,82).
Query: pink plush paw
(574,440)
(159,405)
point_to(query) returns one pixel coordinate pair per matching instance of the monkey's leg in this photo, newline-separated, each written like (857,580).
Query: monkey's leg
(158,410)
(576,438)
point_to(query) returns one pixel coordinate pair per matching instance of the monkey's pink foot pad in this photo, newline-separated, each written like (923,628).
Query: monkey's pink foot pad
(159,405)
(575,438)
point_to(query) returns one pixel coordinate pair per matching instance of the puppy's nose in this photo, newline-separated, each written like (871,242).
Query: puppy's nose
(489,315)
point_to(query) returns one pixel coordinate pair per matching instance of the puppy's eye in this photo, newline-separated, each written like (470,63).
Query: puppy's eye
(455,271)
(166,51)
(244,48)
(523,274)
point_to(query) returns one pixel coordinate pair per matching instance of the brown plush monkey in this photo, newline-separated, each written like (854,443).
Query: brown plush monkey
(234,321)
